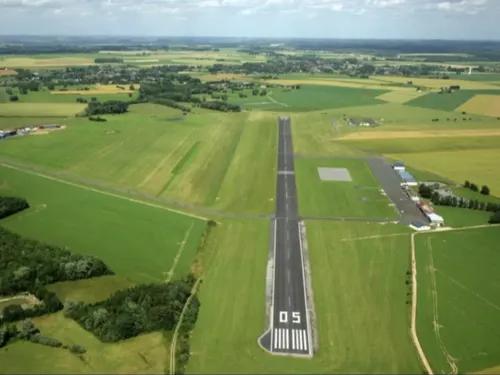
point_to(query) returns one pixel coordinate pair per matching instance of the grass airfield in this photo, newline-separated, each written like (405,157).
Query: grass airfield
(226,163)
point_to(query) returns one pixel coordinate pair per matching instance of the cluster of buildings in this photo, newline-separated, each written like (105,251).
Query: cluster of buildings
(5,133)
(363,122)
(407,181)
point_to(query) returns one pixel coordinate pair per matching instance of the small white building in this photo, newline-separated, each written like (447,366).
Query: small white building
(419,226)
(435,219)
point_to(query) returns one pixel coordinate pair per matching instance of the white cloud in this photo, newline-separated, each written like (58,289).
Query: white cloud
(229,8)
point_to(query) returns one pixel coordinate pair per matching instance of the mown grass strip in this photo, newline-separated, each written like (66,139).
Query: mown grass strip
(190,155)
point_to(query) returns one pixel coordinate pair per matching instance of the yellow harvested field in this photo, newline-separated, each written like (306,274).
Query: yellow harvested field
(486,105)
(370,135)
(325,82)
(30,62)
(401,96)
(100,89)
(437,83)
(143,61)
(230,76)
(7,72)
(473,165)
(488,371)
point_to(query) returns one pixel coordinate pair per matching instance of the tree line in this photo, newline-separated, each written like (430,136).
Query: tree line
(95,107)
(430,192)
(485,190)
(108,60)
(28,265)
(177,89)
(29,332)
(11,205)
(131,312)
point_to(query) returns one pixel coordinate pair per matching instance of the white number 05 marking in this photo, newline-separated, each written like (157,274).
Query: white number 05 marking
(295,317)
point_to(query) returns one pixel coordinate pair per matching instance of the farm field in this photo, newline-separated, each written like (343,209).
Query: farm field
(41,62)
(436,83)
(397,117)
(314,134)
(487,105)
(457,314)
(421,145)
(145,354)
(359,198)
(401,96)
(70,97)
(196,158)
(473,165)
(460,217)
(40,109)
(122,233)
(380,86)
(310,97)
(453,134)
(450,102)
(374,285)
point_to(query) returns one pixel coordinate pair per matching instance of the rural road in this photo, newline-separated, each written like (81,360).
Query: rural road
(289,331)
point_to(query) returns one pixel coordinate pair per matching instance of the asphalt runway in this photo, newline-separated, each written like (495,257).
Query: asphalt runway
(289,327)
(392,186)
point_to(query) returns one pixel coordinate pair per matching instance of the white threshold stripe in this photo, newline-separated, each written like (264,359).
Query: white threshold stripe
(297,342)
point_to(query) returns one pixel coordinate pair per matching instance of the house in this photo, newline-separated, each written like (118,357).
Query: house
(367,122)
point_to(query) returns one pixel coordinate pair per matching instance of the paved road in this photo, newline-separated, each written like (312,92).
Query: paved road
(289,327)
(392,186)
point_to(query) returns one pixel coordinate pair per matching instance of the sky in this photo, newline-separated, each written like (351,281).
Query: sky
(370,19)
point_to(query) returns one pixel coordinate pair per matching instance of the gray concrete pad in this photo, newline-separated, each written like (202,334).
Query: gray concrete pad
(334,174)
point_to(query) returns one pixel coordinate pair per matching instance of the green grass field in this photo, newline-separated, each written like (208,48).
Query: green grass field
(90,290)
(448,102)
(458,299)
(362,315)
(145,354)
(136,241)
(40,109)
(401,117)
(200,158)
(47,97)
(461,217)
(310,98)
(423,145)
(359,198)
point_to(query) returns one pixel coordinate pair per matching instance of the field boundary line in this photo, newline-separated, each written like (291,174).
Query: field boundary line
(179,253)
(173,344)
(372,237)
(101,191)
(413,324)
(435,309)
(269,96)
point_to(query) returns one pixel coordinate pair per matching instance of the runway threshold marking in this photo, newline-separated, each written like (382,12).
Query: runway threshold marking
(298,339)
